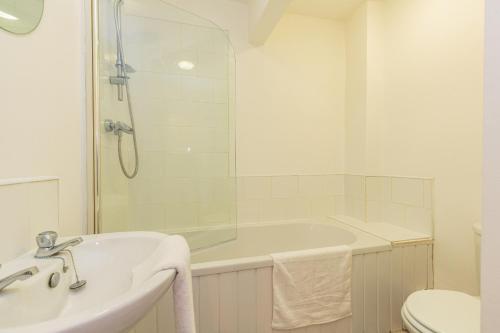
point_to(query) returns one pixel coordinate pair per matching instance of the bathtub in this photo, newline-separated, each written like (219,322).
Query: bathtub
(255,242)
(232,282)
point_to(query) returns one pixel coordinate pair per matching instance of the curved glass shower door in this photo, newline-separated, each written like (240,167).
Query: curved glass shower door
(166,77)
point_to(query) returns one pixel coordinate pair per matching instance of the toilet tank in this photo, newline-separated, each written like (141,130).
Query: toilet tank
(477,242)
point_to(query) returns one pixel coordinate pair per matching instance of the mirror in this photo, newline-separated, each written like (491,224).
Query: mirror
(20,16)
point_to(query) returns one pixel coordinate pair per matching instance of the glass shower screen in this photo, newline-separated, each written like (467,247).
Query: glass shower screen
(166,80)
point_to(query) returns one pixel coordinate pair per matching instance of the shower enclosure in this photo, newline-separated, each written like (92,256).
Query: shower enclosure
(163,122)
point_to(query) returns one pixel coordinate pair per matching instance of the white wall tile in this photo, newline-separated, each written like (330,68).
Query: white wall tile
(378,188)
(180,215)
(184,113)
(249,210)
(255,187)
(339,205)
(182,190)
(395,214)
(355,208)
(181,165)
(147,191)
(149,85)
(408,191)
(285,186)
(322,206)
(375,211)
(274,209)
(213,165)
(15,221)
(26,208)
(355,186)
(118,216)
(313,186)
(214,212)
(335,184)
(220,91)
(405,202)
(185,139)
(297,208)
(190,138)
(152,136)
(148,217)
(43,207)
(196,89)
(152,165)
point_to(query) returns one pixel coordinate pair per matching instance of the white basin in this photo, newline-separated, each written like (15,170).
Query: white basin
(108,303)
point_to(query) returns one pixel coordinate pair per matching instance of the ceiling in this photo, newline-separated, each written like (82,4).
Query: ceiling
(329,9)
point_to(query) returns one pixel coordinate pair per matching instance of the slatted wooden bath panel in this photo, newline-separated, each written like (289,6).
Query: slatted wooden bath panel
(241,301)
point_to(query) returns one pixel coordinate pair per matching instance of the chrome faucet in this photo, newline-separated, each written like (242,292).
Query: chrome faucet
(47,248)
(47,244)
(18,276)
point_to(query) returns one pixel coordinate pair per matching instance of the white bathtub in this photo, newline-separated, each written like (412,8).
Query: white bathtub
(255,242)
(232,282)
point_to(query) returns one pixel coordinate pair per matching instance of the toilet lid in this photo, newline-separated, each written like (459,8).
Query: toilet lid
(444,311)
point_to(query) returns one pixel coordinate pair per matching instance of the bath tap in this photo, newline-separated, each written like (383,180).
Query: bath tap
(18,276)
(47,244)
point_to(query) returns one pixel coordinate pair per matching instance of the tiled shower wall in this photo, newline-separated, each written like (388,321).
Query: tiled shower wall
(403,201)
(289,197)
(183,121)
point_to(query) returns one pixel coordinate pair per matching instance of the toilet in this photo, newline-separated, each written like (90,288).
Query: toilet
(443,311)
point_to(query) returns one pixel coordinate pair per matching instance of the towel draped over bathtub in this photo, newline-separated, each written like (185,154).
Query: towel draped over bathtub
(311,287)
(173,253)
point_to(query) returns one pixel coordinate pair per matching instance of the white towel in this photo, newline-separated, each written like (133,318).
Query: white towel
(311,287)
(173,253)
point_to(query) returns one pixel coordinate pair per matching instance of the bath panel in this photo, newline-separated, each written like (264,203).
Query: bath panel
(241,301)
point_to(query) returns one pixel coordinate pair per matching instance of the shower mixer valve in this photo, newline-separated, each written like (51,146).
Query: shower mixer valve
(117,127)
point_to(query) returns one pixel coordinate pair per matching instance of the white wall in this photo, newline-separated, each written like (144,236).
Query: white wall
(490,274)
(290,115)
(433,119)
(289,92)
(42,96)
(423,115)
(27,207)
(356,91)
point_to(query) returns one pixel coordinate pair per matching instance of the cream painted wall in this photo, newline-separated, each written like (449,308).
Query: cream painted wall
(289,92)
(290,114)
(424,113)
(42,106)
(356,90)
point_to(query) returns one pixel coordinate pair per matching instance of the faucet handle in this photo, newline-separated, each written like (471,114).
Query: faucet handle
(46,239)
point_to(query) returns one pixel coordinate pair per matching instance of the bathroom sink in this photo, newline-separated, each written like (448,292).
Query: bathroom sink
(112,300)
